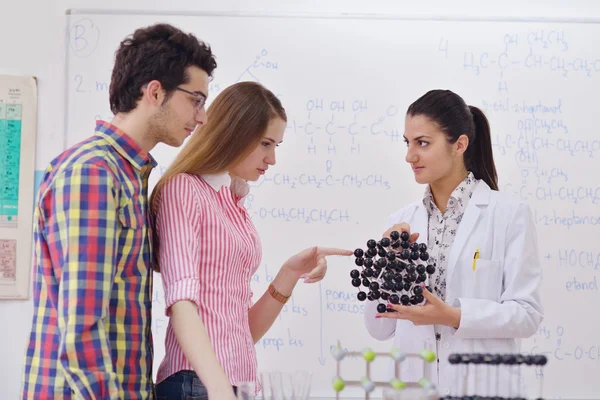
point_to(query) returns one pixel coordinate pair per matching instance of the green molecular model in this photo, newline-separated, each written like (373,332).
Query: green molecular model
(397,384)
(338,384)
(369,355)
(367,383)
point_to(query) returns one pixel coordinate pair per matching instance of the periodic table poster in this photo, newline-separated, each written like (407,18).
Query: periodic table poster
(18,121)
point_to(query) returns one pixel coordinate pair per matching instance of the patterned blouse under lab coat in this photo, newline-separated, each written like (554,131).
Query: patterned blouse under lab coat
(442,231)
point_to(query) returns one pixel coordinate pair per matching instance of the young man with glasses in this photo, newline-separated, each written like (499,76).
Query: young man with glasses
(91,335)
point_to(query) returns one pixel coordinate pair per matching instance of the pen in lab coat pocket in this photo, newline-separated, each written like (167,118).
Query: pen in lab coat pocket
(475,257)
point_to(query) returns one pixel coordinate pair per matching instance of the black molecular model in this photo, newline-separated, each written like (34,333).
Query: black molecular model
(392,269)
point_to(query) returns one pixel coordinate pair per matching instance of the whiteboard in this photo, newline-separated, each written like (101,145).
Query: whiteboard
(346,83)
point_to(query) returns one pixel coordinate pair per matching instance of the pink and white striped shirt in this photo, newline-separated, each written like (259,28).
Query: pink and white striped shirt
(208,250)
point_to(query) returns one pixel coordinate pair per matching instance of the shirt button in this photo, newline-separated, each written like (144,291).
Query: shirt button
(446,345)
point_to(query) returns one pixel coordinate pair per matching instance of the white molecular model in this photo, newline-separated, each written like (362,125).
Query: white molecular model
(368,384)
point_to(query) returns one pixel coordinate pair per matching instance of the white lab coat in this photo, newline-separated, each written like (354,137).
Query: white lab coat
(499,302)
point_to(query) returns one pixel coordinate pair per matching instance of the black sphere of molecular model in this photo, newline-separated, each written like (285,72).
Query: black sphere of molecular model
(393,270)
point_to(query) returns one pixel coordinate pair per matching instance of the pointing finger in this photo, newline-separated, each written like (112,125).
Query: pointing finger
(332,251)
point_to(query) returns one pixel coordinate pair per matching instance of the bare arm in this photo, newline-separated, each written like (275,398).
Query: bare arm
(197,348)
(310,264)
(263,313)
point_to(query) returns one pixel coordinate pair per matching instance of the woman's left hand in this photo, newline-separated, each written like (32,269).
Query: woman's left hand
(433,312)
(311,264)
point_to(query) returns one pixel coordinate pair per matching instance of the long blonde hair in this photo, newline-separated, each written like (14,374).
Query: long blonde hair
(237,120)
(236,123)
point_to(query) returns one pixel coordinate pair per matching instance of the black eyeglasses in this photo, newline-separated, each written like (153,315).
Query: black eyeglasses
(199,98)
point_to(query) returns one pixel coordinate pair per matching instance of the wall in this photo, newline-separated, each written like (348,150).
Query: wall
(33,34)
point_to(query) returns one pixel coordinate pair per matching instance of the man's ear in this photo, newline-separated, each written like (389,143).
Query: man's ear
(153,93)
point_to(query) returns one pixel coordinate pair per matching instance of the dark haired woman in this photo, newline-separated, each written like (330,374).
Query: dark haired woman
(483,296)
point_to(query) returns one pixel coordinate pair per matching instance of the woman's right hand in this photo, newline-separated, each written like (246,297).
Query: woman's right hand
(402,227)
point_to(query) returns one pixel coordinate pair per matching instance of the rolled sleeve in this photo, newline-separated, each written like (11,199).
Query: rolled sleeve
(185,289)
(177,227)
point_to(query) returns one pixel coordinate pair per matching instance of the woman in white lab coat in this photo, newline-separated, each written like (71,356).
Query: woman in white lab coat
(484,305)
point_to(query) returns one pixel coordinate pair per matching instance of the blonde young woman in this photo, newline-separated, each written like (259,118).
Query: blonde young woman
(208,248)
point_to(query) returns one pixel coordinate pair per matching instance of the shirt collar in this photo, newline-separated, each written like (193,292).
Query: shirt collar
(459,196)
(428,200)
(237,185)
(124,145)
(217,181)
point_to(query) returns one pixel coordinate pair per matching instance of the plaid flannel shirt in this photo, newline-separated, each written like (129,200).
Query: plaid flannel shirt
(91,331)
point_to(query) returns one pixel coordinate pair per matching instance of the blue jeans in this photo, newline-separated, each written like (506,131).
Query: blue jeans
(183,385)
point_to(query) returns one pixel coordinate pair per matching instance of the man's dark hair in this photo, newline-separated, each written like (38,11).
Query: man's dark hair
(159,52)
